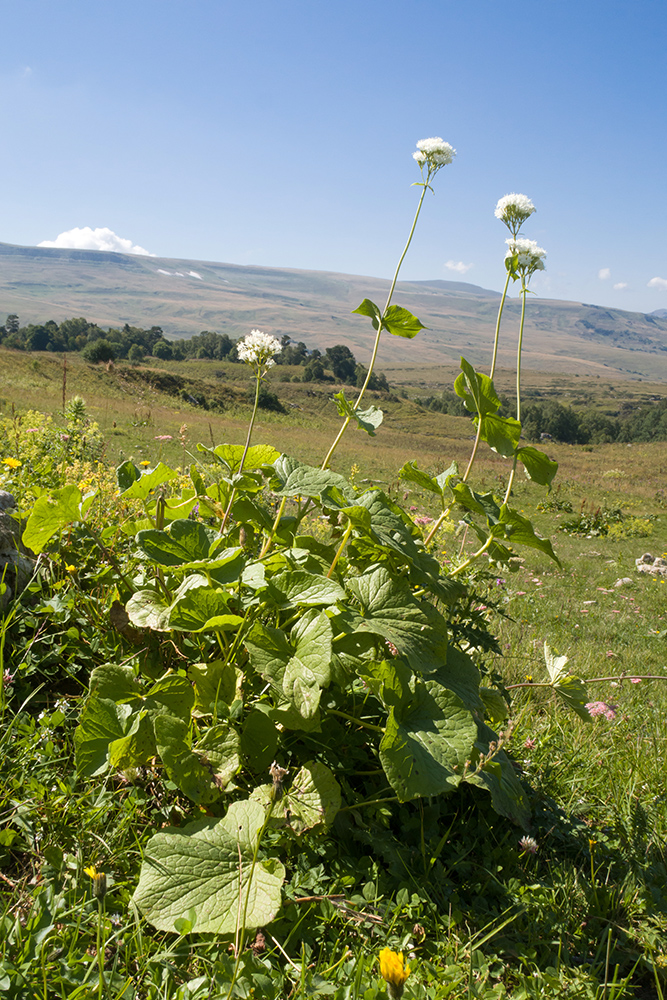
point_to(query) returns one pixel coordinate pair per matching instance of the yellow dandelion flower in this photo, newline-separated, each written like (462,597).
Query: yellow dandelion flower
(72,569)
(394,971)
(145,463)
(99,880)
(12,463)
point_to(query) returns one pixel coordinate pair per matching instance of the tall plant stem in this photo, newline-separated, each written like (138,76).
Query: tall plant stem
(473,453)
(245,451)
(425,187)
(500,316)
(524,293)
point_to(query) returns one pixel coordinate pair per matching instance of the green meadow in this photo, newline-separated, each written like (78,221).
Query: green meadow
(542,874)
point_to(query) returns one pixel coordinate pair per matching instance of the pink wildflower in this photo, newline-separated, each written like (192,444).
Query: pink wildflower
(596,708)
(163,437)
(423,519)
(635,680)
(528,845)
(530,744)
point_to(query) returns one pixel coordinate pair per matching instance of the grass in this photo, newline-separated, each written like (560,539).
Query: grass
(477,914)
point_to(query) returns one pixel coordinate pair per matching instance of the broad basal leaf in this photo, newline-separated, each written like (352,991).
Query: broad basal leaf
(312,799)
(388,609)
(183,542)
(203,771)
(426,743)
(207,867)
(51,513)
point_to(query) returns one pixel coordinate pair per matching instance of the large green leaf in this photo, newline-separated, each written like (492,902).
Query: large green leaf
(312,800)
(202,609)
(183,542)
(426,743)
(401,322)
(388,609)
(51,513)
(148,609)
(207,867)
(367,420)
(202,772)
(215,683)
(297,669)
(258,455)
(101,722)
(306,590)
(139,489)
(308,481)
(259,741)
(538,466)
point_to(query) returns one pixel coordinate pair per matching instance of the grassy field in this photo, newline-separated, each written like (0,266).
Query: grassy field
(582,912)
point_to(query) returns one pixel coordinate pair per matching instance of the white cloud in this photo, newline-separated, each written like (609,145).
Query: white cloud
(620,285)
(94,239)
(458,266)
(658,283)
(604,274)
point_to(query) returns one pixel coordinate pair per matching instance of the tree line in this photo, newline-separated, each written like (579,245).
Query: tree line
(134,344)
(550,420)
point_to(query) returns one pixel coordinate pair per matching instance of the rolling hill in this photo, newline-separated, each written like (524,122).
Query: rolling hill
(187,296)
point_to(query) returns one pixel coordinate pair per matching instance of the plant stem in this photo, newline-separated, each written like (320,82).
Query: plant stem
(232,497)
(357,722)
(475,446)
(348,532)
(500,316)
(333,447)
(269,541)
(524,292)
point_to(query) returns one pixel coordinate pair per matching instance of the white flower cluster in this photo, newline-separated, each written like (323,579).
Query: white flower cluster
(513,210)
(258,349)
(434,152)
(530,256)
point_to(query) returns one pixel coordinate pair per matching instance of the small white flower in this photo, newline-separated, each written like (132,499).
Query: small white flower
(258,349)
(513,210)
(435,152)
(528,845)
(530,256)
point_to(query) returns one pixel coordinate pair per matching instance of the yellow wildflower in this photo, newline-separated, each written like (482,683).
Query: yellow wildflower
(72,569)
(99,881)
(394,971)
(145,463)
(12,463)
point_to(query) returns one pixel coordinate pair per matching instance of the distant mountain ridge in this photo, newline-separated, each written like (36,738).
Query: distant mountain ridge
(185,297)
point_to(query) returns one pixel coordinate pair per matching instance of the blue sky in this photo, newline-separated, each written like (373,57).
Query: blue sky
(281,132)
